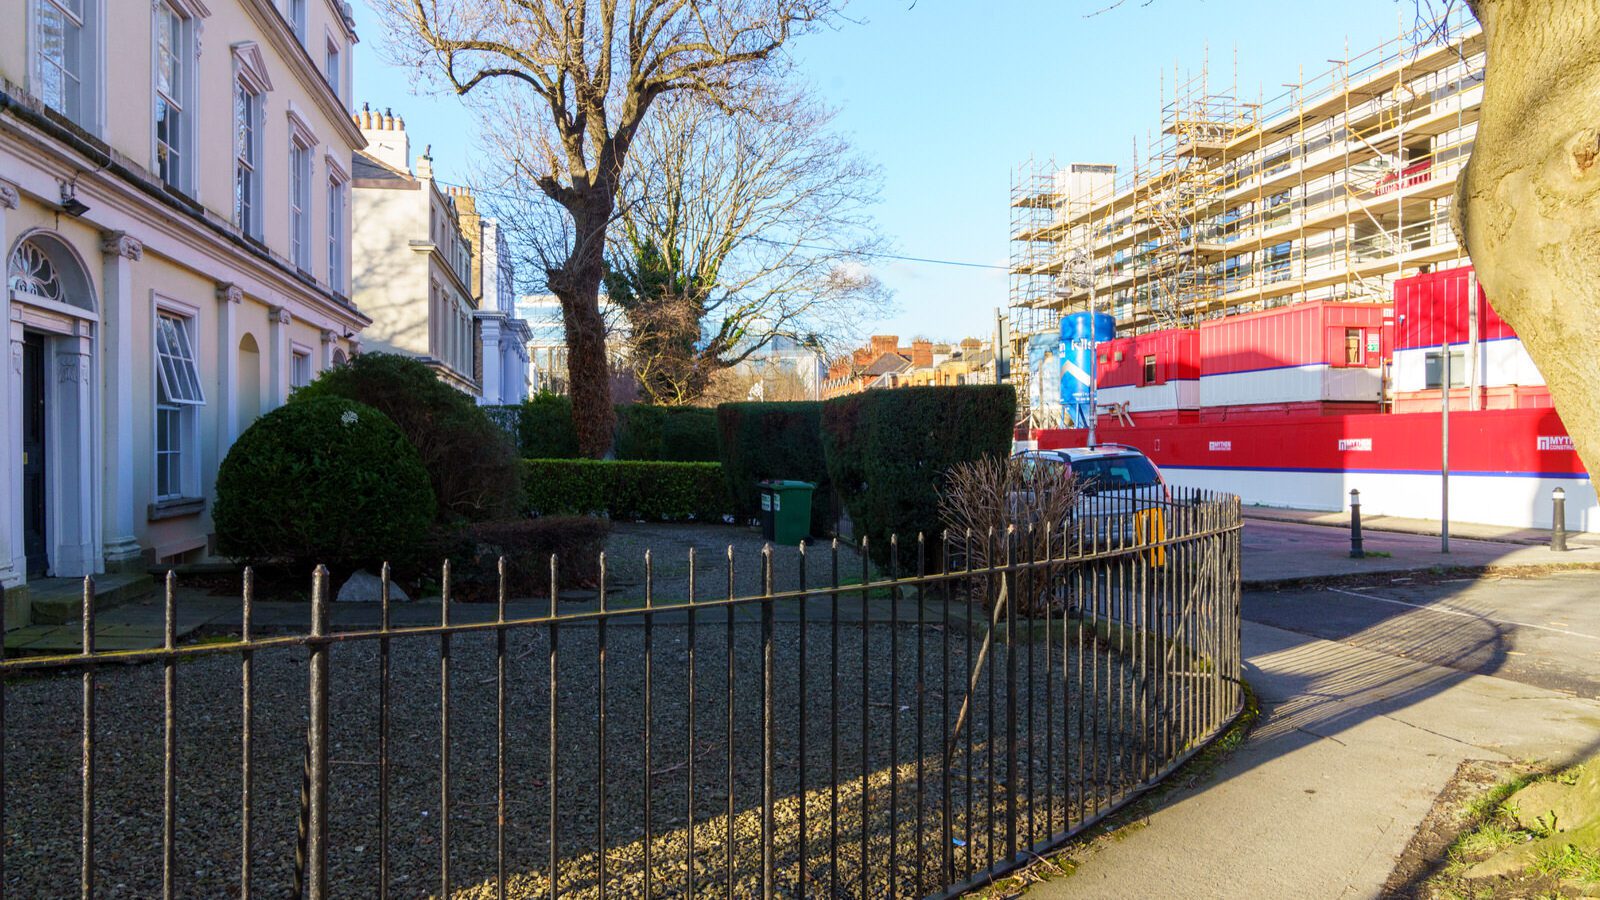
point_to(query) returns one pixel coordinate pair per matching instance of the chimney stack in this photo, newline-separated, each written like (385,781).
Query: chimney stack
(885,343)
(921,354)
(386,137)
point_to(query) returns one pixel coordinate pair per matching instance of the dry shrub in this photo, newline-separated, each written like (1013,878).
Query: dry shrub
(1013,499)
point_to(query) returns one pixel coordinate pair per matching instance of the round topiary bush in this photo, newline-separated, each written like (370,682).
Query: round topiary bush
(470,460)
(326,481)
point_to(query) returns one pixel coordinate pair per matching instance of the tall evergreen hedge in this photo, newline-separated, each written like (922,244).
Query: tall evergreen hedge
(774,440)
(544,429)
(887,451)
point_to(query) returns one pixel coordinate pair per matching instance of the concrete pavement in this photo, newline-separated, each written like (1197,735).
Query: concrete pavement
(1360,733)
(1471,530)
(1278,551)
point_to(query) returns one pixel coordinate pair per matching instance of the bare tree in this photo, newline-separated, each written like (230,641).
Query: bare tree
(740,226)
(754,380)
(572,83)
(986,502)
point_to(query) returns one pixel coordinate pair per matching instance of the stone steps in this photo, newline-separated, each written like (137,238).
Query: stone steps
(57,601)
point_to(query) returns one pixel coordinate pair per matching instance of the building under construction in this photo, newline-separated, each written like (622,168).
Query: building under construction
(1332,190)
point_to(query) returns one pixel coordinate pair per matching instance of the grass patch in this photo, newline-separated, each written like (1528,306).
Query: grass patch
(1492,802)
(1569,863)
(877,593)
(1491,837)
(1491,825)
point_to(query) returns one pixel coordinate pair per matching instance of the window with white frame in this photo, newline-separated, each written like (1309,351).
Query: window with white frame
(296,13)
(300,368)
(247,157)
(178,395)
(173,95)
(300,204)
(336,235)
(332,67)
(65,57)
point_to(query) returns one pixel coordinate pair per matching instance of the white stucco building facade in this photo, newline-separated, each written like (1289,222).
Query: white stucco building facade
(412,260)
(174,195)
(503,335)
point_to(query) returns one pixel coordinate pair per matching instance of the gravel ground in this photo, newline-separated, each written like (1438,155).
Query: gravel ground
(669,547)
(42,785)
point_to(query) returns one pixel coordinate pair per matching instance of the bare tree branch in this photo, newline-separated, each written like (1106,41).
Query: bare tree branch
(739,228)
(567,86)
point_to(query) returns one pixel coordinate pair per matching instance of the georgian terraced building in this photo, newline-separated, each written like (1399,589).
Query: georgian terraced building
(413,257)
(174,214)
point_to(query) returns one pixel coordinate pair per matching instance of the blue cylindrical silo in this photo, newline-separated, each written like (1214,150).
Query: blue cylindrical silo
(1080,332)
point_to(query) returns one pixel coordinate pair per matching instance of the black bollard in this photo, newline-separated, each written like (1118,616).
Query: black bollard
(1558,518)
(1355,525)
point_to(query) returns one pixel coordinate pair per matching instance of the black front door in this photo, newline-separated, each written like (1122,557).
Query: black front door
(33,474)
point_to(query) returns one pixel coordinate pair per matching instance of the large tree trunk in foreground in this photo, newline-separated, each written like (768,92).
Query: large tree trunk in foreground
(577,286)
(1528,204)
(1528,208)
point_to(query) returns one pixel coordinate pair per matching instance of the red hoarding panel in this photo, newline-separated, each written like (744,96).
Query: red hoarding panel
(1432,308)
(1286,337)
(1491,442)
(1176,351)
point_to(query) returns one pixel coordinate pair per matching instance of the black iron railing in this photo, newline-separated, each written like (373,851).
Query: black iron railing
(912,734)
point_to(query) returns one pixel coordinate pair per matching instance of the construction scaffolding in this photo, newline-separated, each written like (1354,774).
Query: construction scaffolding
(1330,190)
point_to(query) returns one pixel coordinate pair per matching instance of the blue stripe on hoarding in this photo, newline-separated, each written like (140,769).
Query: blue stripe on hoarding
(1318,471)
(1277,369)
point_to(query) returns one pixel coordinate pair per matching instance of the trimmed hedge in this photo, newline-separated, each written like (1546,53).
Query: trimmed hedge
(651,491)
(544,430)
(888,450)
(544,427)
(323,480)
(689,434)
(774,440)
(639,431)
(470,460)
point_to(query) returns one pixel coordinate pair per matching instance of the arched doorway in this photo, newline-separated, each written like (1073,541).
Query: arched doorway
(249,383)
(52,448)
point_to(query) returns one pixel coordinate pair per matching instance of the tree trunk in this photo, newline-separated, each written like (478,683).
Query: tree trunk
(577,285)
(1528,204)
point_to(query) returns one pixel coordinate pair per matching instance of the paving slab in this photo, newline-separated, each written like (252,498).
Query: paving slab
(1353,747)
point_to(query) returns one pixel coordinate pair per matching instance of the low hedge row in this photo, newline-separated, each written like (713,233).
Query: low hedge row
(627,489)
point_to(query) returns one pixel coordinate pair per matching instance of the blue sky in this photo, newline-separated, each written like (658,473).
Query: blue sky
(948,96)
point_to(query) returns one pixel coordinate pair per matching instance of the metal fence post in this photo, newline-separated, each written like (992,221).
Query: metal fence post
(317,743)
(1558,514)
(1355,525)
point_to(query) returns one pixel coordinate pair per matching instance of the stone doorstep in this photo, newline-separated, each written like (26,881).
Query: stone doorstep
(56,601)
(58,639)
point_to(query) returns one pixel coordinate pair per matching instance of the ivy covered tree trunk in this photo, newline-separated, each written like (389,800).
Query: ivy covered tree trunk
(1528,204)
(577,285)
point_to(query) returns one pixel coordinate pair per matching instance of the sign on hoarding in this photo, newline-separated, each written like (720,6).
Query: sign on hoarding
(1556,442)
(1221,445)
(1362,445)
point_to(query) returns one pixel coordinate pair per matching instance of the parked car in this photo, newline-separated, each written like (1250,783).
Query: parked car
(1117,482)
